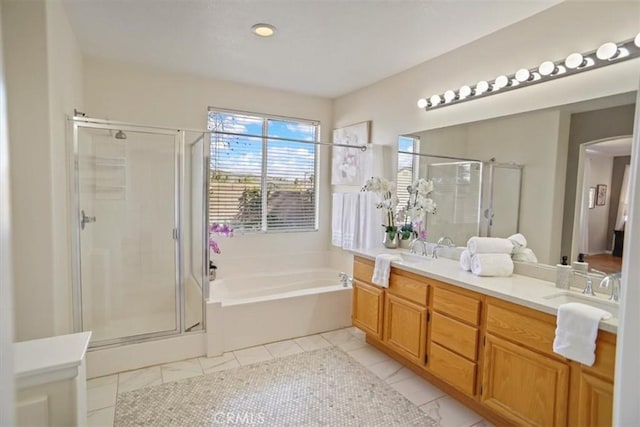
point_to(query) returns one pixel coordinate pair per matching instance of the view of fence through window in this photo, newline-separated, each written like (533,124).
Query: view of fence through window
(257,182)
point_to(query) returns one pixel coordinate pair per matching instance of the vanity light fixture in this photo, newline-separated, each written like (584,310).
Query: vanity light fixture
(263,30)
(607,54)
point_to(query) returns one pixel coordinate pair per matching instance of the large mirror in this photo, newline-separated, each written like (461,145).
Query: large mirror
(559,176)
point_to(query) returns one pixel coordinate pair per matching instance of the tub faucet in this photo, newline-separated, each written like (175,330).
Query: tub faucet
(613,281)
(345,280)
(443,242)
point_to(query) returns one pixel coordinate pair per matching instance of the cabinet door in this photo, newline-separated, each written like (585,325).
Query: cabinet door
(405,327)
(595,401)
(367,308)
(524,386)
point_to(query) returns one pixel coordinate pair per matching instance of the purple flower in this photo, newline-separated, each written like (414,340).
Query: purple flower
(213,245)
(216,229)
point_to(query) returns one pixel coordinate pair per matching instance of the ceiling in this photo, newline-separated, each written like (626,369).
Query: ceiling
(322,47)
(612,147)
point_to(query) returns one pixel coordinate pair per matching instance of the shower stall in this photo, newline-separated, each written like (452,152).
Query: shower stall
(138,224)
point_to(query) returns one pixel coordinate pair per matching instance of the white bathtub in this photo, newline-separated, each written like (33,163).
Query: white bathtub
(249,310)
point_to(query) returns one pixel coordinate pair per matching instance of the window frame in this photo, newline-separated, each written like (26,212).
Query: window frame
(263,176)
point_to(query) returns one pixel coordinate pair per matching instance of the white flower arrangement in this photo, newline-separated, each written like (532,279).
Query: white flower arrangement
(419,200)
(386,191)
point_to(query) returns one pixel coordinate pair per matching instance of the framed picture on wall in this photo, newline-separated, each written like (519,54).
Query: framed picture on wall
(347,164)
(601,195)
(592,197)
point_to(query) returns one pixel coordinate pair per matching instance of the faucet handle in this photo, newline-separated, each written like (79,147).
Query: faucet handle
(601,273)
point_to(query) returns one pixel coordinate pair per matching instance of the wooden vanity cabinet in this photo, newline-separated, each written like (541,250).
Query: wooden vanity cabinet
(405,318)
(368,299)
(453,338)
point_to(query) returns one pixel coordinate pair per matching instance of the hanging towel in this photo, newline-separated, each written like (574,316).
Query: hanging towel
(524,255)
(465,260)
(518,240)
(577,330)
(336,219)
(489,245)
(492,265)
(369,221)
(350,220)
(382,269)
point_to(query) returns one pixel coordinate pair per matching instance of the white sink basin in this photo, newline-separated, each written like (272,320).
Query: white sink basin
(450,253)
(413,258)
(567,296)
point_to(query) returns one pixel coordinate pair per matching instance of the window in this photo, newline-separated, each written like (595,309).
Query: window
(262,177)
(407,167)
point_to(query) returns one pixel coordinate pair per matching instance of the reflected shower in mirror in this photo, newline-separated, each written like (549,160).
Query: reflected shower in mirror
(553,146)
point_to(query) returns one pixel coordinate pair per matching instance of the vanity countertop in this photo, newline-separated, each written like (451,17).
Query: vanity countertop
(518,289)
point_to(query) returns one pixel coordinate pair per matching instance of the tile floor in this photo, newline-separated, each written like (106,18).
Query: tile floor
(102,392)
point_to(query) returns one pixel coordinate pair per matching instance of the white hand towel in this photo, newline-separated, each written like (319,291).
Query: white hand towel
(524,255)
(382,269)
(577,330)
(519,241)
(349,220)
(489,245)
(492,265)
(465,260)
(336,219)
(369,230)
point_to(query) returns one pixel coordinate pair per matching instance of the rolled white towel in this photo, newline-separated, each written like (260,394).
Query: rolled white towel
(465,260)
(519,241)
(492,265)
(524,255)
(489,245)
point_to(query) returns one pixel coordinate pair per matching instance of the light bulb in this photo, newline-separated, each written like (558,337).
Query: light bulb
(501,81)
(523,75)
(464,92)
(481,87)
(263,30)
(422,103)
(547,68)
(435,100)
(608,51)
(636,41)
(449,96)
(575,60)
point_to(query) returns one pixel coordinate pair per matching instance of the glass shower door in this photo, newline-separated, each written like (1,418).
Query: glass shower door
(127,239)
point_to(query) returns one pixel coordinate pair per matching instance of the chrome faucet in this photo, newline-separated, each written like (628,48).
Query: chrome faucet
(345,280)
(588,287)
(418,245)
(442,243)
(613,281)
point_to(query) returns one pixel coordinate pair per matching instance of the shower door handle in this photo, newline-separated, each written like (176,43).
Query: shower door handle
(84,219)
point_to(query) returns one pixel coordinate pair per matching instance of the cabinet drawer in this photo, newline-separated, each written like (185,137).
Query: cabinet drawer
(454,335)
(408,288)
(362,269)
(521,328)
(455,305)
(456,370)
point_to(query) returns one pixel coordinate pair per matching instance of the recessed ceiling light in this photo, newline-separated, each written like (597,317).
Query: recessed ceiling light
(263,30)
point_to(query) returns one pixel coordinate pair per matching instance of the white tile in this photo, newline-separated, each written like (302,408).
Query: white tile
(251,355)
(133,380)
(385,369)
(101,392)
(483,423)
(179,370)
(312,342)
(358,333)
(218,363)
(368,355)
(101,418)
(402,374)
(417,390)
(283,348)
(450,413)
(344,339)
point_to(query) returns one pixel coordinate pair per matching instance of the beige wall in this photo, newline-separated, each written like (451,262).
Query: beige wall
(43,75)
(146,95)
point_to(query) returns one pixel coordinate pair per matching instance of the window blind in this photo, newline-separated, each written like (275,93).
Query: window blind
(258,183)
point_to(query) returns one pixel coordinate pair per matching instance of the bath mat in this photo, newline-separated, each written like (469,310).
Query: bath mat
(325,387)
